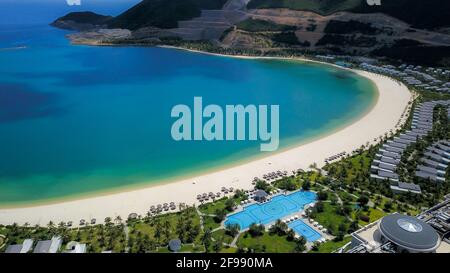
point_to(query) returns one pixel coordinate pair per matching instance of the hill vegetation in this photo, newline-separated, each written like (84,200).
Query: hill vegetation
(430,14)
(352,26)
(416,53)
(323,7)
(86,17)
(427,14)
(256,25)
(81,21)
(163,13)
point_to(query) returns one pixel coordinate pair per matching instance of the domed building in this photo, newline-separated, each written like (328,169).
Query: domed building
(408,234)
(398,233)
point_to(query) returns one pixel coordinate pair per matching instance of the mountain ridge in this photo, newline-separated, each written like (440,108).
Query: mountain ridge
(230,25)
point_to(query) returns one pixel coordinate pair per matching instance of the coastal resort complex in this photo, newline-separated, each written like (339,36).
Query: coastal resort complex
(398,233)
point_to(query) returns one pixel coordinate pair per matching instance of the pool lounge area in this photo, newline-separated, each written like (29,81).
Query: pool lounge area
(278,207)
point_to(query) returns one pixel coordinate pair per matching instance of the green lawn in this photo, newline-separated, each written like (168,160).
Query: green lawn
(374,215)
(210,208)
(209,222)
(220,234)
(192,248)
(352,168)
(162,250)
(266,243)
(186,248)
(227,249)
(329,218)
(147,229)
(346,197)
(331,246)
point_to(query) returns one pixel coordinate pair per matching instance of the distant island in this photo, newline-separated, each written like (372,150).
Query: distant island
(274,28)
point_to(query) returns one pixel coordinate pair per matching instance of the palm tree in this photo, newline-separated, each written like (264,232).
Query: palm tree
(300,244)
(158,231)
(290,235)
(180,229)
(232,230)
(166,229)
(217,246)
(206,239)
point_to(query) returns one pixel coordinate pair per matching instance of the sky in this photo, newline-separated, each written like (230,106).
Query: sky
(46,11)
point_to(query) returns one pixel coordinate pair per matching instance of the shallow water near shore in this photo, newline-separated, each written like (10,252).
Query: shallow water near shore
(80,120)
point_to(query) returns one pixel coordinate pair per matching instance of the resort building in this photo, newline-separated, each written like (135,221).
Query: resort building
(396,233)
(48,246)
(386,161)
(402,187)
(413,75)
(435,162)
(327,58)
(260,196)
(75,247)
(175,245)
(25,247)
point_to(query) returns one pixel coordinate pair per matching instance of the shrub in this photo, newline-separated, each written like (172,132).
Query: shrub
(322,195)
(364,218)
(256,230)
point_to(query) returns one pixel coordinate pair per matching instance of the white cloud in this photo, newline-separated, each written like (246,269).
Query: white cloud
(374,2)
(73,2)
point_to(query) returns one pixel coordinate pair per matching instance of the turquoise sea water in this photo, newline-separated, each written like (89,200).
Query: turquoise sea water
(76,120)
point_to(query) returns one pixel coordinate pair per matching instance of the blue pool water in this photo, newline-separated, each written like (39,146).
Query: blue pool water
(304,230)
(279,207)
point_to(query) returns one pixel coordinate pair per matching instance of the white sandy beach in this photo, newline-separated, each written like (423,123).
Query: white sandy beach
(384,116)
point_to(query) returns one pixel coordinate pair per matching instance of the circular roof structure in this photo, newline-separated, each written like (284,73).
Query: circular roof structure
(409,232)
(175,245)
(409,226)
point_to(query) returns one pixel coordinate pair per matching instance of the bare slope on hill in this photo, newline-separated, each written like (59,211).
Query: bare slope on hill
(322,7)
(428,14)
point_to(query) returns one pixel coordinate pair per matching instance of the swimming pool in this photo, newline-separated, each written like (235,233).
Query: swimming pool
(304,230)
(278,207)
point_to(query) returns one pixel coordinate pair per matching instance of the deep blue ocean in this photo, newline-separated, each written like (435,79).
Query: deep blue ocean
(76,120)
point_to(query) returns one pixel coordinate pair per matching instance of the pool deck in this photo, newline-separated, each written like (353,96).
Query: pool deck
(288,219)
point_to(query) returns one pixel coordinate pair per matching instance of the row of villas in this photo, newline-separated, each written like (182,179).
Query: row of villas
(413,75)
(389,155)
(46,246)
(430,78)
(434,163)
(429,232)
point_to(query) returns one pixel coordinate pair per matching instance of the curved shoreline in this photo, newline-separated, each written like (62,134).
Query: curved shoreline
(382,117)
